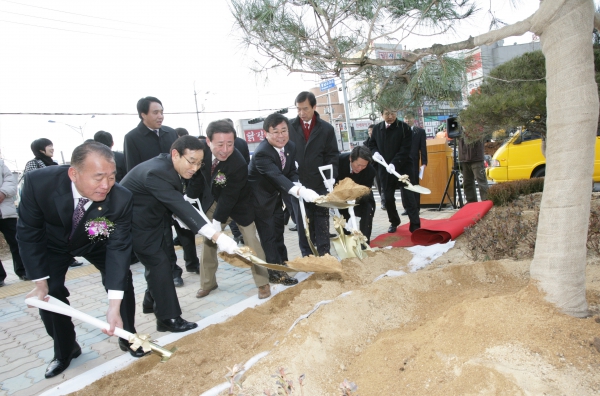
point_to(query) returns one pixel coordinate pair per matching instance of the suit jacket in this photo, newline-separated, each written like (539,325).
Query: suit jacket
(266,177)
(141,144)
(419,147)
(394,144)
(233,196)
(121,165)
(320,149)
(45,223)
(157,194)
(364,177)
(242,146)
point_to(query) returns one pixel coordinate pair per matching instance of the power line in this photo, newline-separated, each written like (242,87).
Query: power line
(135,114)
(73,23)
(67,30)
(87,16)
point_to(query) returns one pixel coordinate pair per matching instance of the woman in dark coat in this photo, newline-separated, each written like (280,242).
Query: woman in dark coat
(43,151)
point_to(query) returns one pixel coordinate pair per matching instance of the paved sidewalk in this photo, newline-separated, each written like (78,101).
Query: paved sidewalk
(26,349)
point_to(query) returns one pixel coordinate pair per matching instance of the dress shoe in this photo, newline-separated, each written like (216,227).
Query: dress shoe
(293,228)
(178,282)
(404,213)
(57,366)
(24,278)
(177,325)
(239,239)
(147,310)
(2,283)
(282,278)
(264,291)
(382,206)
(203,293)
(392,229)
(76,264)
(194,270)
(413,227)
(124,345)
(176,241)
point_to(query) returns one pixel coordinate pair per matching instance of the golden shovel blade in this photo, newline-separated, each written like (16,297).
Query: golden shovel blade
(335,204)
(418,189)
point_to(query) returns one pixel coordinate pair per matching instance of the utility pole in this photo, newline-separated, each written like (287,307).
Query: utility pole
(346,109)
(197,114)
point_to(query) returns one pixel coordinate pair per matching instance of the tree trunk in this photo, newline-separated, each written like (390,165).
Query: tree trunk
(572,100)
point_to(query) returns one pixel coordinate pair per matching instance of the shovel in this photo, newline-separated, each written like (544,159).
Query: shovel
(306,229)
(403,178)
(339,242)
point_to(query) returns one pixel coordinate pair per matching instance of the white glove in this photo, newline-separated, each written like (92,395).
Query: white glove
(208,231)
(390,168)
(216,225)
(188,199)
(294,191)
(308,195)
(329,183)
(378,157)
(227,244)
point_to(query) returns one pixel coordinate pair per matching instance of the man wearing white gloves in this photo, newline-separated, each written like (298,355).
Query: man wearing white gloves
(157,190)
(223,189)
(316,146)
(272,175)
(392,139)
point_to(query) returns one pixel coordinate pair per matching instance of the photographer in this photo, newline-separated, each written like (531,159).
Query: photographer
(470,158)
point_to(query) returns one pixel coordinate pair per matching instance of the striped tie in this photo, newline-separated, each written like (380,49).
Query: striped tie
(282,158)
(78,214)
(214,165)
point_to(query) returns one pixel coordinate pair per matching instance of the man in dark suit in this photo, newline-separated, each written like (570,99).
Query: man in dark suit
(107,139)
(149,139)
(157,191)
(226,195)
(272,174)
(242,146)
(358,166)
(418,152)
(376,166)
(392,139)
(316,145)
(56,203)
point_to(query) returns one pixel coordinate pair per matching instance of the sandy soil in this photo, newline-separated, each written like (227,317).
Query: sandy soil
(456,327)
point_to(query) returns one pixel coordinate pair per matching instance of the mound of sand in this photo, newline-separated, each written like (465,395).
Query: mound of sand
(456,327)
(347,190)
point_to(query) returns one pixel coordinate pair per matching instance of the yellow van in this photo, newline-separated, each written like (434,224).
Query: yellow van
(520,157)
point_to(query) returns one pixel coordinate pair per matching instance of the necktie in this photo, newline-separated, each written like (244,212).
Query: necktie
(282,158)
(306,125)
(214,165)
(78,213)
(157,133)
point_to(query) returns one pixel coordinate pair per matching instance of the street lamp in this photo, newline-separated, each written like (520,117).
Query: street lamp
(78,129)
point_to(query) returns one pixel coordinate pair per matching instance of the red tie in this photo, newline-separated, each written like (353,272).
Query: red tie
(306,131)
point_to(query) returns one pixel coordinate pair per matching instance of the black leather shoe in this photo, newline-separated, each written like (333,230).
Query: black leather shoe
(57,366)
(176,241)
(2,283)
(177,325)
(24,278)
(382,206)
(404,213)
(293,228)
(195,270)
(392,229)
(178,282)
(147,309)
(138,353)
(76,264)
(282,278)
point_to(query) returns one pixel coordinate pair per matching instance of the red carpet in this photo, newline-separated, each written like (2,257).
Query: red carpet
(435,231)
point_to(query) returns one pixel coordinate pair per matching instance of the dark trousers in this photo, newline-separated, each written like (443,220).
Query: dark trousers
(378,183)
(414,179)
(235,229)
(8,227)
(390,183)
(270,227)
(188,243)
(176,270)
(365,210)
(318,224)
(60,327)
(161,294)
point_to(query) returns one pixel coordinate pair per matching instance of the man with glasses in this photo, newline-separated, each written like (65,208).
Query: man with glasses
(157,187)
(272,174)
(226,195)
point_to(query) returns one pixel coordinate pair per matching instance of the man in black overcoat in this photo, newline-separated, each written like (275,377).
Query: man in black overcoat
(418,152)
(316,145)
(56,203)
(358,166)
(392,139)
(149,139)
(272,174)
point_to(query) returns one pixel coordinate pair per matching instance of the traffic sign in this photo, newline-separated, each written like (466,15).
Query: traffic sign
(326,85)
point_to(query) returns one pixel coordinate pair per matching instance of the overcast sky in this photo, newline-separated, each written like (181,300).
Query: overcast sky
(69,56)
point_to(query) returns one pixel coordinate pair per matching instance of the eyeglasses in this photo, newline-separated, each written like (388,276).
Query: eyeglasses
(279,133)
(194,164)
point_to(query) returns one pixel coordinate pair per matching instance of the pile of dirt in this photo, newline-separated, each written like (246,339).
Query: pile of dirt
(455,327)
(326,263)
(347,190)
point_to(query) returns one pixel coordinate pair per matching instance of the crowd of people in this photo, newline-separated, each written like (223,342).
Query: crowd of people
(114,208)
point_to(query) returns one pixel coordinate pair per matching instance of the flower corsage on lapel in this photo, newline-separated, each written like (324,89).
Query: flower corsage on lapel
(220,179)
(99,228)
